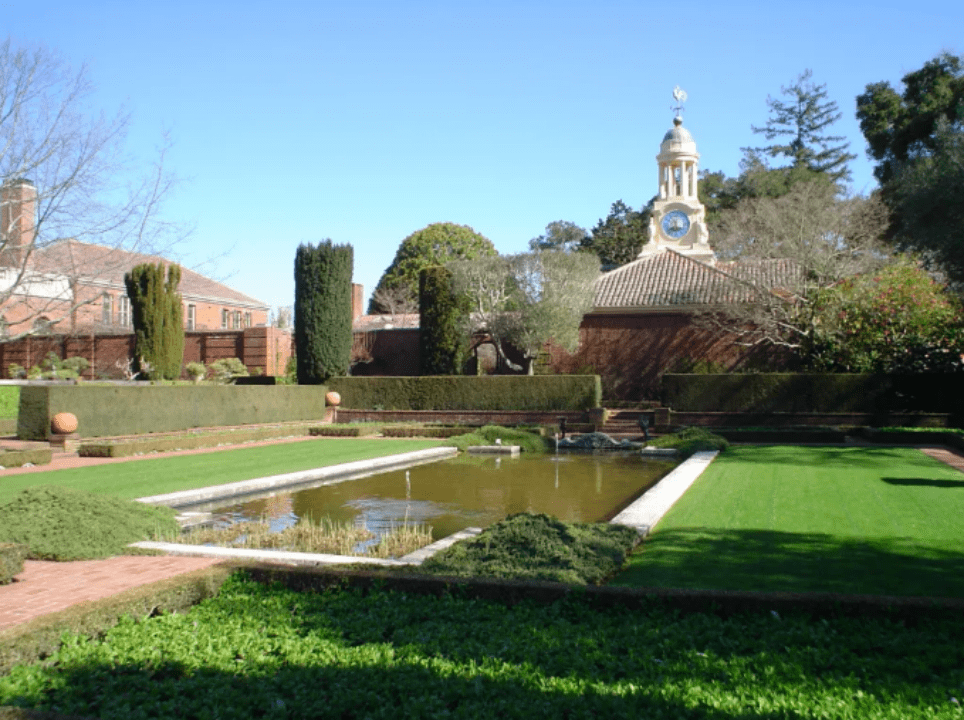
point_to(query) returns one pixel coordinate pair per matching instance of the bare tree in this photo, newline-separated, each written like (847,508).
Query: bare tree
(527,300)
(65,178)
(395,300)
(781,253)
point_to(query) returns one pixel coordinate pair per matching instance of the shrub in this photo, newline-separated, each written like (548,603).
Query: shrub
(157,319)
(442,337)
(59,523)
(196,371)
(528,441)
(11,561)
(539,547)
(691,440)
(323,321)
(226,370)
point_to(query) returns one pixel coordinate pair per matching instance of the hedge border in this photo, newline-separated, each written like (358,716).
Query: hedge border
(128,447)
(19,458)
(12,556)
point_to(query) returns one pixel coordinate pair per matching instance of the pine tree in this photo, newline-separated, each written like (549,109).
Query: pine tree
(323,319)
(802,120)
(442,334)
(158,320)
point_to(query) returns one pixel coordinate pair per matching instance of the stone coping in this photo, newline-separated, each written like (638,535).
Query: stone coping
(648,509)
(332,473)
(494,450)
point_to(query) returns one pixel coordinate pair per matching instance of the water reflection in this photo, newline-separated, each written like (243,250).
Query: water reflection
(467,491)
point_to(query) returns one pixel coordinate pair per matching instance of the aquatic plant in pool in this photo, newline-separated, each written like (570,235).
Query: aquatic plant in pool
(467,491)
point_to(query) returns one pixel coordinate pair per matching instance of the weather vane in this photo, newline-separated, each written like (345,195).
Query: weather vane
(679,95)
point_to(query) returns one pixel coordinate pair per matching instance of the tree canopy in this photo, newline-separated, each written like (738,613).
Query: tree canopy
(560,235)
(801,124)
(436,244)
(618,238)
(526,300)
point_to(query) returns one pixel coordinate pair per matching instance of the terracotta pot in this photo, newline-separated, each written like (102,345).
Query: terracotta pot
(64,423)
(333,398)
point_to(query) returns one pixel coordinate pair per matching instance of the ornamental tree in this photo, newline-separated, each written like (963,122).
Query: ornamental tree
(897,320)
(158,320)
(442,336)
(436,244)
(323,321)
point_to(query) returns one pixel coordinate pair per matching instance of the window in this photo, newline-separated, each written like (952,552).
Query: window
(224,319)
(124,311)
(247,320)
(191,317)
(107,310)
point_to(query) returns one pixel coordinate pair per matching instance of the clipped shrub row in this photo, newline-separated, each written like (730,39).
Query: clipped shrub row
(344,430)
(812,393)
(128,447)
(19,458)
(12,556)
(425,431)
(539,393)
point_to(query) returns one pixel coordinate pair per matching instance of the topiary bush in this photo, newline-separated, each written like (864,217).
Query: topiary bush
(527,441)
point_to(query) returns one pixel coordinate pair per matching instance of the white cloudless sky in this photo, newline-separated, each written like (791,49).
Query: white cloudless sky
(365,120)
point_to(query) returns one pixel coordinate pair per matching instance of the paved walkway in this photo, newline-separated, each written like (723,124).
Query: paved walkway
(45,587)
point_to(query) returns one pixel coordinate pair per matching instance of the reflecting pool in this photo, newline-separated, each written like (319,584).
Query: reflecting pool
(466,491)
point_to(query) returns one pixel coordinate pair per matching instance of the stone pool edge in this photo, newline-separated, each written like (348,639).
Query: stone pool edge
(344,470)
(649,508)
(642,514)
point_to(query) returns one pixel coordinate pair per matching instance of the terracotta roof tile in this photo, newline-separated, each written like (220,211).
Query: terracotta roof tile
(101,265)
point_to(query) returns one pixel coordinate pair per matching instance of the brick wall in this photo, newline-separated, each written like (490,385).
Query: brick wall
(266,348)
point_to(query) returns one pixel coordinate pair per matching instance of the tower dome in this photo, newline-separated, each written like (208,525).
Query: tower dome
(678,140)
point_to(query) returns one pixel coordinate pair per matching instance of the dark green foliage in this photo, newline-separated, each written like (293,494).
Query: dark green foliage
(799,124)
(538,547)
(618,238)
(146,408)
(158,320)
(323,332)
(492,392)
(691,440)
(442,336)
(268,651)
(527,441)
(12,556)
(60,523)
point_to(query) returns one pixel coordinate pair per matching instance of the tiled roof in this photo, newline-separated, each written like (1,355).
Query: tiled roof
(101,265)
(670,279)
(365,323)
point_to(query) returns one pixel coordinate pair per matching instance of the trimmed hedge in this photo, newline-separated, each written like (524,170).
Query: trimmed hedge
(111,410)
(344,430)
(19,458)
(539,393)
(128,447)
(426,431)
(12,556)
(813,393)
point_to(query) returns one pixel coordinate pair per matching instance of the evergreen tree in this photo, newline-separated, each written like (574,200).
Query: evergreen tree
(323,321)
(158,320)
(442,312)
(618,238)
(800,122)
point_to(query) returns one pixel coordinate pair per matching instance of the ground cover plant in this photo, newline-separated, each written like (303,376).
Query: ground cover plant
(310,536)
(155,476)
(529,546)
(59,523)
(875,520)
(690,440)
(265,651)
(527,440)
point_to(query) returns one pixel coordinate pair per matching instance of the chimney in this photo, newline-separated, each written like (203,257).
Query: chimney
(18,217)
(357,292)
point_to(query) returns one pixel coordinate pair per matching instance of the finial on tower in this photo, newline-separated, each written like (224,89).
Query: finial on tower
(679,95)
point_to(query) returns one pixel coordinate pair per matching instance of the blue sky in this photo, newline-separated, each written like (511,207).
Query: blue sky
(363,121)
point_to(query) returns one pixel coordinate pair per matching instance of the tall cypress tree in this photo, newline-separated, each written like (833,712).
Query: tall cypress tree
(442,334)
(323,320)
(157,318)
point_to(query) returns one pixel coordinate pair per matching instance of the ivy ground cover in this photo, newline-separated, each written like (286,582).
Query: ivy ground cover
(884,521)
(141,478)
(258,651)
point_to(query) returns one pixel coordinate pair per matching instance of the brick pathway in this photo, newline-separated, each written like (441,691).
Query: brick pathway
(45,587)
(954,458)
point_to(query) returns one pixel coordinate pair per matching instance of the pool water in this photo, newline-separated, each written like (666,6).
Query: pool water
(451,495)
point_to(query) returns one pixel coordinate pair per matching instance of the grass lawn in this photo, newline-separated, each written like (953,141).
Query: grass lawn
(812,519)
(9,402)
(140,478)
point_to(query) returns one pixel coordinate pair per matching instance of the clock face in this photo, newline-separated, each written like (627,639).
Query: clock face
(676,224)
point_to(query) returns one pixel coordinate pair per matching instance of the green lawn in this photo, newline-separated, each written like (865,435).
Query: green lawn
(140,478)
(798,519)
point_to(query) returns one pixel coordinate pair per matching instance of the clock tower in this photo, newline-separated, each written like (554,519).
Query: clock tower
(678,220)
